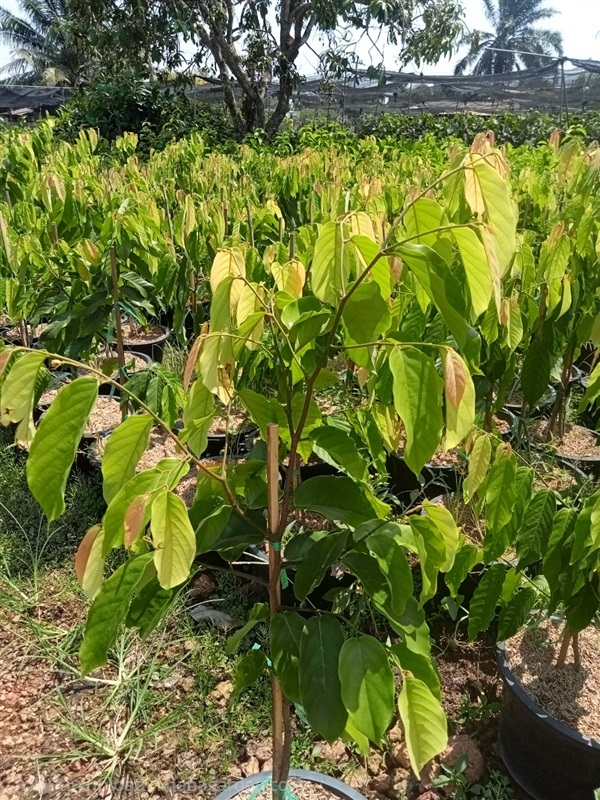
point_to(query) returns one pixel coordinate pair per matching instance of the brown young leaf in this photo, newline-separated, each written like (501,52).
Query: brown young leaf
(5,356)
(192,360)
(134,519)
(83,551)
(455,379)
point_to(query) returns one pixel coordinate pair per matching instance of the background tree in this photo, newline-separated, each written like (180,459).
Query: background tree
(44,49)
(250,46)
(513,23)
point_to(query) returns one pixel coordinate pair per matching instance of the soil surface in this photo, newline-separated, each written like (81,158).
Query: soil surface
(133,334)
(133,363)
(105,416)
(578,442)
(449,458)
(237,420)
(570,694)
(503,425)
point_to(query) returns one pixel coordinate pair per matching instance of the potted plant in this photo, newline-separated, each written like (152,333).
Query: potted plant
(343,679)
(539,594)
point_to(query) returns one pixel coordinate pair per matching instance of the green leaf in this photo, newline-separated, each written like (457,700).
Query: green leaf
(425,726)
(166,474)
(466,557)
(432,554)
(149,606)
(53,450)
(124,448)
(479,461)
(173,538)
(592,392)
(331,265)
(248,671)
(338,448)
(475,261)
(17,396)
(259,613)
(501,490)
(537,368)
(260,408)
(315,563)
(533,536)
(108,610)
(394,566)
(449,533)
(380,271)
(338,499)
(418,401)
(514,614)
(445,292)
(286,633)
(197,417)
(558,551)
(320,686)
(366,315)
(583,606)
(499,211)
(367,685)
(485,599)
(586,537)
(413,655)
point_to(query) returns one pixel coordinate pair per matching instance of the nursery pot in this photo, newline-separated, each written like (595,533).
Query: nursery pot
(435,479)
(542,407)
(332,785)
(155,349)
(545,757)
(240,444)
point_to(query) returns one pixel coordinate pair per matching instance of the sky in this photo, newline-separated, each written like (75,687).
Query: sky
(577,20)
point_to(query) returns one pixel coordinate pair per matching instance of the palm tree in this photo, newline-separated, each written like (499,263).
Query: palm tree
(43,49)
(513,28)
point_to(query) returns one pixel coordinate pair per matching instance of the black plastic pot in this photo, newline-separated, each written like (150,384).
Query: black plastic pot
(154,349)
(542,407)
(434,479)
(316,470)
(546,758)
(333,786)
(240,444)
(589,466)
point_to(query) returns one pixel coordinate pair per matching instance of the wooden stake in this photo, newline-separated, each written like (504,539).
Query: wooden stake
(281,229)
(119,331)
(292,246)
(280,705)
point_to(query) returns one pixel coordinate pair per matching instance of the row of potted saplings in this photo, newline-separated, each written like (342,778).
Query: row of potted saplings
(529,735)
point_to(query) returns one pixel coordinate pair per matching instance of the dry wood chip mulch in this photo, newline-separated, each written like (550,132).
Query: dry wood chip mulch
(135,335)
(570,694)
(578,442)
(105,416)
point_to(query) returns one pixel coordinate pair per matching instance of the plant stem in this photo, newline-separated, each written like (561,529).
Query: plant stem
(119,332)
(564,648)
(280,705)
(557,417)
(576,655)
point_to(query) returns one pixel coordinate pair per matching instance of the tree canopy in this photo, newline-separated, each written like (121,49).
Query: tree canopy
(44,48)
(252,48)
(513,29)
